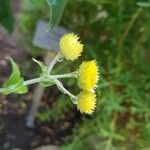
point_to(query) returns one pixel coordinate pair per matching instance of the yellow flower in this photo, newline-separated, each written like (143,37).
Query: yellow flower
(88,75)
(70,47)
(86,102)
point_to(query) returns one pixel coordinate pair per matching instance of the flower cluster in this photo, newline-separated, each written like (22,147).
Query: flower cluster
(87,74)
(87,77)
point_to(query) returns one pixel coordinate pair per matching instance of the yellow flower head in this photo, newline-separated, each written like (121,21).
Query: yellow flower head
(88,75)
(86,102)
(70,47)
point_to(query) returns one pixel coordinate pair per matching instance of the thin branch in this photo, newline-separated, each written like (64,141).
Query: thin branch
(54,61)
(65,91)
(68,75)
(32,81)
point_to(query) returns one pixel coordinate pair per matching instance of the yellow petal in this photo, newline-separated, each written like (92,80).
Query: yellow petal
(88,75)
(70,47)
(86,102)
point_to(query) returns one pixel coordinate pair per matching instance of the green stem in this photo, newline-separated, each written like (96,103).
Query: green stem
(65,91)
(54,61)
(68,75)
(29,82)
(40,79)
(32,81)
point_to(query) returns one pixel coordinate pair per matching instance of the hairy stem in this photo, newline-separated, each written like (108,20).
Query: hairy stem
(32,81)
(68,75)
(65,91)
(54,61)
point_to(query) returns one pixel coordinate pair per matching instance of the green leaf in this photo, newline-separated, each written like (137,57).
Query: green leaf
(44,70)
(15,75)
(143,4)
(22,89)
(41,65)
(15,84)
(56,10)
(18,88)
(47,83)
(6,17)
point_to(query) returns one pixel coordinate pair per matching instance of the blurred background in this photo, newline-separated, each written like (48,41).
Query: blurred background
(117,35)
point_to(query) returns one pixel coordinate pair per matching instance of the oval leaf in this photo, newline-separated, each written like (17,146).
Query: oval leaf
(18,88)
(15,84)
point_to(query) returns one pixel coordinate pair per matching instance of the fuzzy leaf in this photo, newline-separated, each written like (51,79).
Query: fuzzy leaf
(41,65)
(15,84)
(47,83)
(44,70)
(15,75)
(18,88)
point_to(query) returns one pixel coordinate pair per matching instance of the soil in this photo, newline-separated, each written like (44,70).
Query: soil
(13,130)
(14,108)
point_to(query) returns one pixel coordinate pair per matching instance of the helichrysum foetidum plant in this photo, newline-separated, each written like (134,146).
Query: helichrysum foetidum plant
(87,75)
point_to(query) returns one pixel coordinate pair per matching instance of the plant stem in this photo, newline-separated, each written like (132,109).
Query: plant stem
(32,81)
(37,80)
(68,75)
(54,61)
(65,91)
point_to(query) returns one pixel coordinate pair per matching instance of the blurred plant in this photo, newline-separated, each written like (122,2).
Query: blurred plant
(30,14)
(39,10)
(56,10)
(6,15)
(44,116)
(119,34)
